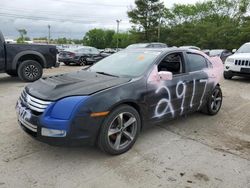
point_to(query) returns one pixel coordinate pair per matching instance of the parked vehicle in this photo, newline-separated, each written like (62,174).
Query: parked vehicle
(95,58)
(147,45)
(81,56)
(206,51)
(111,101)
(26,60)
(238,64)
(221,53)
(190,47)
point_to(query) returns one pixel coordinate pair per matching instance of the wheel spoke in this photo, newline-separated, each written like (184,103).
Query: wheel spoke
(128,135)
(218,99)
(113,131)
(216,93)
(120,119)
(129,122)
(212,105)
(118,141)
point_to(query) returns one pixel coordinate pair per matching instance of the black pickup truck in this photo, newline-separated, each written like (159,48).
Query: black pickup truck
(26,60)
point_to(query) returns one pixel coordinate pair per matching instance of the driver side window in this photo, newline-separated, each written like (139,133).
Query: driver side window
(172,63)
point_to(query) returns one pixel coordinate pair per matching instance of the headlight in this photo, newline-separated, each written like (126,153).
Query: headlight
(229,60)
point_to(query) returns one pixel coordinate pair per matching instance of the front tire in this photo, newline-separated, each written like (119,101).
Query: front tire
(227,75)
(214,102)
(119,130)
(82,61)
(29,71)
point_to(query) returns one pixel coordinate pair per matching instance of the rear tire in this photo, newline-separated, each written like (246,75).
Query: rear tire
(214,102)
(66,63)
(12,73)
(29,71)
(120,130)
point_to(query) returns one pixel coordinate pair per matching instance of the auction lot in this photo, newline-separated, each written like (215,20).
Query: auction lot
(193,151)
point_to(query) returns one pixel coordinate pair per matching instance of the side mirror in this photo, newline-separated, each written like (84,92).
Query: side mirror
(234,50)
(165,75)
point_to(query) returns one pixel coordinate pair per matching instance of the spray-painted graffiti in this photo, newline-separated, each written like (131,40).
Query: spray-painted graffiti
(180,91)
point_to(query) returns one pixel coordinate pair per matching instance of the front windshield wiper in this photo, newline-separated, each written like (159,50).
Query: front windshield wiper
(104,73)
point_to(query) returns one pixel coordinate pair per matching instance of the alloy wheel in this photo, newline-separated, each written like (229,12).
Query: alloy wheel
(216,100)
(31,72)
(122,130)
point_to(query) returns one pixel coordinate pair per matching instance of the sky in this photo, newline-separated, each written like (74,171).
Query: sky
(67,18)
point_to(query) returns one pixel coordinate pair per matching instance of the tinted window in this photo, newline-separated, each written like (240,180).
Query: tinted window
(196,62)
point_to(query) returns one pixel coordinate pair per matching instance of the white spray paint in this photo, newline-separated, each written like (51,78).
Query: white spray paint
(162,101)
(182,94)
(192,99)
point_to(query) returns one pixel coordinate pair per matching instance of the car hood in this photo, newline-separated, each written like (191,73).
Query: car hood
(72,84)
(240,55)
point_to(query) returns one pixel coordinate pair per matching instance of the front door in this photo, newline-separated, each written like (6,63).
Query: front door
(169,99)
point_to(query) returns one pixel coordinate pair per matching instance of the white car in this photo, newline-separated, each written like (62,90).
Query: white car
(238,64)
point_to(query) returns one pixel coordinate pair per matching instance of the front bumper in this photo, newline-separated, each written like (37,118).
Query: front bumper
(82,130)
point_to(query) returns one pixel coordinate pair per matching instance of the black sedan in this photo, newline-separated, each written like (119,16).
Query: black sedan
(81,56)
(221,53)
(112,101)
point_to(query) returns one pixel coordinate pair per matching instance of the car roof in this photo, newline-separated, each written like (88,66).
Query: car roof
(169,49)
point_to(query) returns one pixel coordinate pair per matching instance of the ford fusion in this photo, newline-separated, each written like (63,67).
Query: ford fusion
(112,101)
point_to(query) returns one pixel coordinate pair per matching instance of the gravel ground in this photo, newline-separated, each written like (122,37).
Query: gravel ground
(193,151)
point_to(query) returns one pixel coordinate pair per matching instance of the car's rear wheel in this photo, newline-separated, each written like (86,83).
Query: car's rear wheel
(119,130)
(82,61)
(30,70)
(214,102)
(66,63)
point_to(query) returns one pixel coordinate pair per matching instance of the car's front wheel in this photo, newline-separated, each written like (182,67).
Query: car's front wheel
(119,130)
(227,75)
(82,61)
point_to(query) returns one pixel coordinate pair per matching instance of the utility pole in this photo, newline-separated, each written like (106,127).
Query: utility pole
(49,34)
(159,29)
(117,40)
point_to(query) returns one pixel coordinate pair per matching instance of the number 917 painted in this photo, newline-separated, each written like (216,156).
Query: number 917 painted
(109,103)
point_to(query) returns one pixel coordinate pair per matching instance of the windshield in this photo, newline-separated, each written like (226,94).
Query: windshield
(82,50)
(215,52)
(126,63)
(245,48)
(137,46)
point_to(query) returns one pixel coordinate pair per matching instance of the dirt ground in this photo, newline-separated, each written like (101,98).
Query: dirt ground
(193,151)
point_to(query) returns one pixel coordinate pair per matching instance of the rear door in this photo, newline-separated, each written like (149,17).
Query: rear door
(2,53)
(197,67)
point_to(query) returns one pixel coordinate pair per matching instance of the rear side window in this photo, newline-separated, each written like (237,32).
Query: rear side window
(196,62)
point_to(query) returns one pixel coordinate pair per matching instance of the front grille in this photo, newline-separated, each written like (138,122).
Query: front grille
(33,103)
(242,62)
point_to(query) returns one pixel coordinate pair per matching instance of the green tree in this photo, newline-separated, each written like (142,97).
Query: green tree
(145,18)
(99,38)
(22,33)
